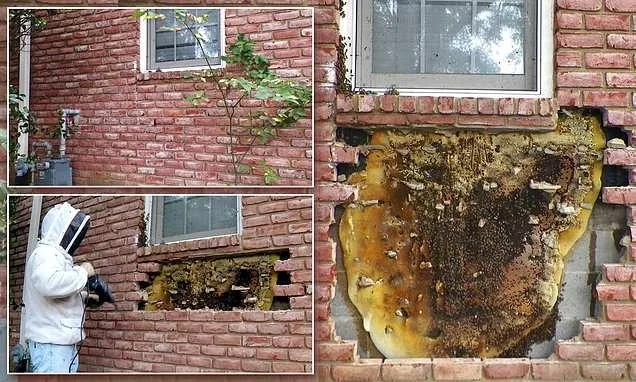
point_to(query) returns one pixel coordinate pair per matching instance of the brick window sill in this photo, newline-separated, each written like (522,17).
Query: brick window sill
(150,76)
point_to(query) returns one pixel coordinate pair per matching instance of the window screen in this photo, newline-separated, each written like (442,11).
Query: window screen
(447,44)
(171,45)
(177,218)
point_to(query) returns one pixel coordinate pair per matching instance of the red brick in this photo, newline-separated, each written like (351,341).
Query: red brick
(382,119)
(486,106)
(551,370)
(406,369)
(481,120)
(336,193)
(596,331)
(605,98)
(621,80)
(287,367)
(580,40)
(227,339)
(569,59)
(366,103)
(620,272)
(527,106)
(453,369)
(506,106)
(446,105)
(255,366)
(619,195)
(468,106)
(407,104)
(426,105)
(344,104)
(608,60)
(568,97)
(344,154)
(621,41)
(612,292)
(604,371)
(620,5)
(621,312)
(579,79)
(581,5)
(188,349)
(367,370)
(431,119)
(607,22)
(344,351)
(506,368)
(621,352)
(566,20)
(388,103)
(226,364)
(301,355)
(213,350)
(580,351)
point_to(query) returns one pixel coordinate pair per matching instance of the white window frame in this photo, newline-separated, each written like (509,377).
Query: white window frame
(545,59)
(149,216)
(144,49)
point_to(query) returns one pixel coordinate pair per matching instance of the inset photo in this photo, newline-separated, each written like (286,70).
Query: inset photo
(160,284)
(170,97)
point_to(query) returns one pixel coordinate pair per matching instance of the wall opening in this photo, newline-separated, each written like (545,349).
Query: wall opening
(238,282)
(474,220)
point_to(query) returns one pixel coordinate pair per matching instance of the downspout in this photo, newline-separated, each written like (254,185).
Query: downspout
(24,85)
(34,231)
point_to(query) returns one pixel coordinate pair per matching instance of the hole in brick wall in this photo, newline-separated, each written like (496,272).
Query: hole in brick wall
(614,176)
(344,170)
(353,137)
(513,195)
(284,278)
(242,282)
(281,303)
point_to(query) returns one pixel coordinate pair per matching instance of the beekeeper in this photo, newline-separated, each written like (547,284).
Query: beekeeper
(54,292)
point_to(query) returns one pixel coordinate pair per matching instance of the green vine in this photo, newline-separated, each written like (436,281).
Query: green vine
(254,79)
(59,130)
(21,121)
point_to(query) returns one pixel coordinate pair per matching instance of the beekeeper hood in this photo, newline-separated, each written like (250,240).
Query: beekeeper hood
(64,226)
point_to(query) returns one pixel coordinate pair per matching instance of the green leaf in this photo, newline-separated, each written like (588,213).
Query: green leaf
(243,168)
(197,98)
(270,176)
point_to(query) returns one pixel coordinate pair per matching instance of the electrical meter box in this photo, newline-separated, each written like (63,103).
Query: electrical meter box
(54,172)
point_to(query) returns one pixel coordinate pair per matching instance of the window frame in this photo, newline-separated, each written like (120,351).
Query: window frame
(153,206)
(543,45)
(146,55)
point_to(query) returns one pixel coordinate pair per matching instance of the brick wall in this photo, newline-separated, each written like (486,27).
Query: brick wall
(594,51)
(122,338)
(136,128)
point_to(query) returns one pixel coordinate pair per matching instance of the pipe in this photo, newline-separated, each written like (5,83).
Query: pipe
(34,233)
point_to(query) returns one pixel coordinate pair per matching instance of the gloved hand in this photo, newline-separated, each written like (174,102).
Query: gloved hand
(88,268)
(93,301)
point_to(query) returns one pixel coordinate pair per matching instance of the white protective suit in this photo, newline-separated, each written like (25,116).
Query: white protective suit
(53,288)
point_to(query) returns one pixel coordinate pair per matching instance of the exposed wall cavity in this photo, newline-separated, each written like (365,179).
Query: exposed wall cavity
(456,244)
(221,284)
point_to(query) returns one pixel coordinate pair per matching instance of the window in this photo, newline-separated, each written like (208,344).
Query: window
(179,218)
(448,44)
(169,46)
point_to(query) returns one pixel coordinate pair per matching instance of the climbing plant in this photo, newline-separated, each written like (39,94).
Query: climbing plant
(249,78)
